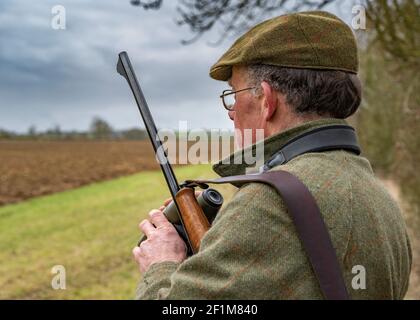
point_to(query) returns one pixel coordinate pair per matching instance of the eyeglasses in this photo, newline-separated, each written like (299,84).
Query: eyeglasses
(229,97)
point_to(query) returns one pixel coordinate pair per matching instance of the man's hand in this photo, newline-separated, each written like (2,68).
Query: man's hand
(163,242)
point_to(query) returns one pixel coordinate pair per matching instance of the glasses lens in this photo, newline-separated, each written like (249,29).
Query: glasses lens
(229,100)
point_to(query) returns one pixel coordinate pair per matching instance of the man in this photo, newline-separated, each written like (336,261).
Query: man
(290,75)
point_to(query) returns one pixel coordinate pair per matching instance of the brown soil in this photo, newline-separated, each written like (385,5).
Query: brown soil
(33,168)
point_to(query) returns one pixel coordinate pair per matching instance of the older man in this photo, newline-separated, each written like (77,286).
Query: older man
(290,76)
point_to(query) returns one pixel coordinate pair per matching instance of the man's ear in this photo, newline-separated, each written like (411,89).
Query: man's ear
(270,101)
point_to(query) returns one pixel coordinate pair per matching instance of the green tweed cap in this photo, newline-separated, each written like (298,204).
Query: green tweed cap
(312,39)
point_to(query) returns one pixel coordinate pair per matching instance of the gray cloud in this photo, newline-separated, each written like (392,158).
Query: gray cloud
(66,77)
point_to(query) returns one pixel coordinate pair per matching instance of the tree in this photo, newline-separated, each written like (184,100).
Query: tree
(134,134)
(397,29)
(100,129)
(32,131)
(4,134)
(53,133)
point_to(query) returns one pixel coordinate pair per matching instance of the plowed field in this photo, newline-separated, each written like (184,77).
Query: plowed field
(33,168)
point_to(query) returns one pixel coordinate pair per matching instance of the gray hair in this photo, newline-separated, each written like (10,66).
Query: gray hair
(330,93)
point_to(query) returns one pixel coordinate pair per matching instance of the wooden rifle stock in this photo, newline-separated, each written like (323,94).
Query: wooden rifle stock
(195,221)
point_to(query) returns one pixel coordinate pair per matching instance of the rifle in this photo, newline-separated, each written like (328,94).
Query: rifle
(190,216)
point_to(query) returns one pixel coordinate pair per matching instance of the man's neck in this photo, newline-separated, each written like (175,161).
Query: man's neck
(290,121)
(236,163)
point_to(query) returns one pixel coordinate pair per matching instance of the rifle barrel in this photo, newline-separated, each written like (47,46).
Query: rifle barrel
(125,69)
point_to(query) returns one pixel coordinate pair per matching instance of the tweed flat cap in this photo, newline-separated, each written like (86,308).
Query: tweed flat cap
(312,39)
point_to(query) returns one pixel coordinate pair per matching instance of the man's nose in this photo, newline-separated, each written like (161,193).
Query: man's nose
(231,115)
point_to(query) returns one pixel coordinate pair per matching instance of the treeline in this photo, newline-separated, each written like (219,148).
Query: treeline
(99,130)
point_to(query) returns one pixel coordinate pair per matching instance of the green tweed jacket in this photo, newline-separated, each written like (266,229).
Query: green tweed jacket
(252,250)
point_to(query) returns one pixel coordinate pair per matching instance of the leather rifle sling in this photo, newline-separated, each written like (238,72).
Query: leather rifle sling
(309,224)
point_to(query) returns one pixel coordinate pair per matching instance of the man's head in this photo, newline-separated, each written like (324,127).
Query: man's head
(300,67)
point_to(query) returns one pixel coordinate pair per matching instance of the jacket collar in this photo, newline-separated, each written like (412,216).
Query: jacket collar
(235,163)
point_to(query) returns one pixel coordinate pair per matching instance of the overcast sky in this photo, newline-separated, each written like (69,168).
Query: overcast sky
(66,77)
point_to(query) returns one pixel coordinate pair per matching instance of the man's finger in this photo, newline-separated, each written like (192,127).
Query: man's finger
(136,252)
(146,227)
(167,201)
(158,218)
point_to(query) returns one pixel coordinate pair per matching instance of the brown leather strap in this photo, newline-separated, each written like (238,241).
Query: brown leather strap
(308,222)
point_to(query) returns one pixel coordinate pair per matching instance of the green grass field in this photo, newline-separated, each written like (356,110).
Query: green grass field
(90,231)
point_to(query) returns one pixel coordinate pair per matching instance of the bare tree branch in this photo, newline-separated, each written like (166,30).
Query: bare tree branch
(236,15)
(397,28)
(152,4)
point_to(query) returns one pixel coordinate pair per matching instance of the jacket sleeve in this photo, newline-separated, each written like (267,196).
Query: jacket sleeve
(251,252)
